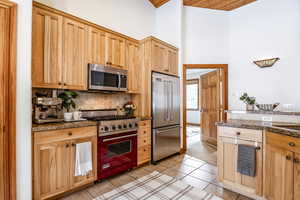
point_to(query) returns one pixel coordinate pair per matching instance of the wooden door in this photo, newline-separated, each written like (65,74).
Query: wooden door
(173,61)
(210,105)
(134,67)
(51,169)
(46,49)
(278,175)
(75,64)
(115,51)
(8,11)
(159,57)
(77,181)
(97,46)
(296,176)
(227,166)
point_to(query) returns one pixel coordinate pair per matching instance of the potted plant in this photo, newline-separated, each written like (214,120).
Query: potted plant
(249,101)
(68,103)
(129,108)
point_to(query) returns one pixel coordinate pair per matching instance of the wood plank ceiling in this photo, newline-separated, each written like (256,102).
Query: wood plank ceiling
(211,4)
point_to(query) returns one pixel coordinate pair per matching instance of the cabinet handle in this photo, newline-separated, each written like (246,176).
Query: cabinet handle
(144,132)
(238,133)
(65,84)
(59,83)
(288,157)
(144,141)
(67,145)
(70,133)
(296,160)
(292,144)
(73,145)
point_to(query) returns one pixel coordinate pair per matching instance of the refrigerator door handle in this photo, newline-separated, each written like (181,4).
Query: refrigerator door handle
(165,101)
(171,101)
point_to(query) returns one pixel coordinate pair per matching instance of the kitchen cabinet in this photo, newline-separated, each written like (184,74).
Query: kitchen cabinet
(96,46)
(158,56)
(144,142)
(282,167)
(47,45)
(115,51)
(228,138)
(173,61)
(134,67)
(54,161)
(74,55)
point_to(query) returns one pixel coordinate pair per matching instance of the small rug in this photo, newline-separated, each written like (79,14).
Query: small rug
(157,186)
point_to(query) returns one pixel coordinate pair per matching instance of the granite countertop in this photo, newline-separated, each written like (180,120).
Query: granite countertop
(263,112)
(61,125)
(291,129)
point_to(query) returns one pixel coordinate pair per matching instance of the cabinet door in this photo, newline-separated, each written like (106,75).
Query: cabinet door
(96,47)
(278,175)
(51,169)
(297,176)
(227,166)
(173,61)
(134,67)
(46,49)
(77,181)
(74,55)
(159,57)
(115,51)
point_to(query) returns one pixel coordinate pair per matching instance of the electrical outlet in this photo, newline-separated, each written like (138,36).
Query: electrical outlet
(267,118)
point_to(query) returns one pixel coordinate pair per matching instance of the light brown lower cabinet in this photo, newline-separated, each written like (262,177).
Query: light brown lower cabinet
(144,142)
(228,138)
(54,161)
(282,167)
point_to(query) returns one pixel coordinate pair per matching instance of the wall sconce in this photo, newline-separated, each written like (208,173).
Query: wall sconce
(267,62)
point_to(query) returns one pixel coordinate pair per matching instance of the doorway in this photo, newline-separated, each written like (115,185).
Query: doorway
(205,99)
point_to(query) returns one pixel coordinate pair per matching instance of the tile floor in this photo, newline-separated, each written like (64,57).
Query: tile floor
(189,169)
(198,149)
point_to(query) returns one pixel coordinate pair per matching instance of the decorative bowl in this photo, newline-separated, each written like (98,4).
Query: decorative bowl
(267,107)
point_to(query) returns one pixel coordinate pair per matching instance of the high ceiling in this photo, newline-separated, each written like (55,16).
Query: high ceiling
(211,4)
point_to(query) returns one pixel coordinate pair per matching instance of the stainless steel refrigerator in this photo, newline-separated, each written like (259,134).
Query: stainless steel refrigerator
(166,116)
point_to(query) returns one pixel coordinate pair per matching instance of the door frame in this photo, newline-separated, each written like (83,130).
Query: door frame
(185,67)
(10,111)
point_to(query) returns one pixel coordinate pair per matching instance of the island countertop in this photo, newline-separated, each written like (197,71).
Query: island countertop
(289,129)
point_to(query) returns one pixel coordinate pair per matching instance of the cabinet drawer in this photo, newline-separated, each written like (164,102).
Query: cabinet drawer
(144,154)
(146,123)
(144,132)
(283,141)
(242,134)
(64,134)
(144,141)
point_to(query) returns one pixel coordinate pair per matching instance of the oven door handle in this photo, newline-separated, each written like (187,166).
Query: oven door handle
(119,84)
(121,137)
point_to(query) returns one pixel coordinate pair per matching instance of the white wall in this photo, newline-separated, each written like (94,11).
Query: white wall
(135,18)
(168,22)
(265,29)
(205,36)
(23,135)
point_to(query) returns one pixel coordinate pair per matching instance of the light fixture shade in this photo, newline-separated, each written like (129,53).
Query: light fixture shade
(267,62)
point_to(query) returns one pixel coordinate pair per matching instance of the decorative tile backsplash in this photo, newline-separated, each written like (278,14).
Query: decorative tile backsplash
(93,100)
(89,101)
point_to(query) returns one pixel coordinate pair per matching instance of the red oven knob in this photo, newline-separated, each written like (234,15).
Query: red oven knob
(120,127)
(113,127)
(106,128)
(124,126)
(130,125)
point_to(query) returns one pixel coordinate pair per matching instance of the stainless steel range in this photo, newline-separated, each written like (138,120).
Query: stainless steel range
(117,141)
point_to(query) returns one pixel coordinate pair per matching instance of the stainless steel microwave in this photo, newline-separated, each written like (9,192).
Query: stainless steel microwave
(107,78)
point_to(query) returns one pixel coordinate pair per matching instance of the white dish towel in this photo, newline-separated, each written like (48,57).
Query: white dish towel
(84,163)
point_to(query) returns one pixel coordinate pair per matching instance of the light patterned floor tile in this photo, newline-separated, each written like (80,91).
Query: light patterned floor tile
(194,163)
(221,192)
(121,180)
(100,188)
(195,182)
(203,175)
(241,197)
(209,168)
(174,173)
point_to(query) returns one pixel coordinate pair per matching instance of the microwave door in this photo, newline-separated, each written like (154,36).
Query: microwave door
(100,80)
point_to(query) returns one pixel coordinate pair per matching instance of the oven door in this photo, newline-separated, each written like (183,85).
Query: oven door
(116,153)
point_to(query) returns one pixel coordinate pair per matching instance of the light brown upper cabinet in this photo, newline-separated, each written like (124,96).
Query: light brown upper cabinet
(173,61)
(159,57)
(134,67)
(164,58)
(97,46)
(46,49)
(115,51)
(74,55)
(59,46)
